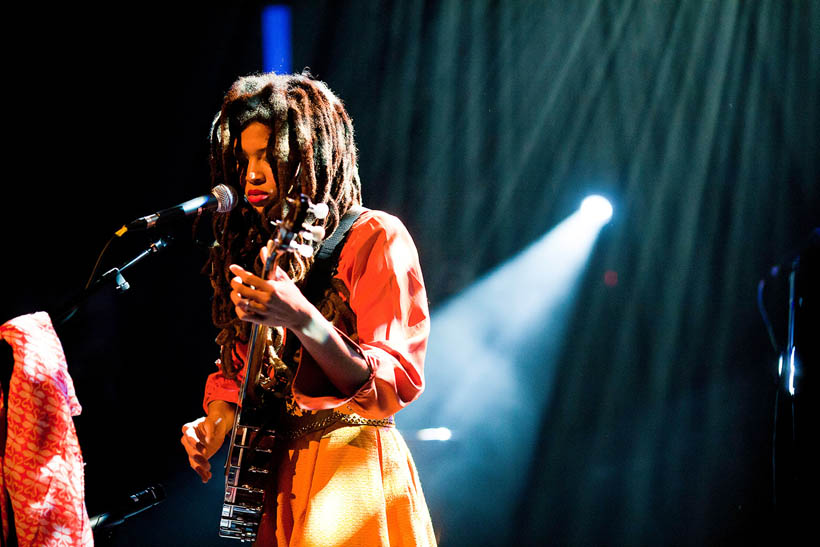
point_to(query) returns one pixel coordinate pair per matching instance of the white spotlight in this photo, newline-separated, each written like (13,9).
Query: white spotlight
(434,434)
(596,209)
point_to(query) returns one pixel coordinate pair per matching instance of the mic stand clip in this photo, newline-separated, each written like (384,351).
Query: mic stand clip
(114,274)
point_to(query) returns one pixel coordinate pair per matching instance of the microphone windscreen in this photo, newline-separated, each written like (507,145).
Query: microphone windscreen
(226,198)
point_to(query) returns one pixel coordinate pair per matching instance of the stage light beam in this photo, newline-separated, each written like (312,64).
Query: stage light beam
(491,367)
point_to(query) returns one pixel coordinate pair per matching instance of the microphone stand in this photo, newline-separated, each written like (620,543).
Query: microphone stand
(794,425)
(114,275)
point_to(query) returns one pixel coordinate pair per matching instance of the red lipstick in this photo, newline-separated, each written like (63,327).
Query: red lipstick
(255,197)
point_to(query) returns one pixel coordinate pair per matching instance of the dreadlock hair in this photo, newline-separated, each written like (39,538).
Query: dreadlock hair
(311,149)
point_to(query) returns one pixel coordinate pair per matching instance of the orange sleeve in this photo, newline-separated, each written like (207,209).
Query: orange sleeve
(380,267)
(220,388)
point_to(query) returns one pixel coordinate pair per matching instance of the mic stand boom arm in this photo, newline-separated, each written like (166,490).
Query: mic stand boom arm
(68,310)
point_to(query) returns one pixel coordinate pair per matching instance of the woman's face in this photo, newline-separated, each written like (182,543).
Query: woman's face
(255,171)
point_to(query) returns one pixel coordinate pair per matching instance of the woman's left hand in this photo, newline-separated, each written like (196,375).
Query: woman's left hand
(277,302)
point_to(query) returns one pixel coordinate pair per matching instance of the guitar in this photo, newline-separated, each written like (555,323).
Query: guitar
(247,467)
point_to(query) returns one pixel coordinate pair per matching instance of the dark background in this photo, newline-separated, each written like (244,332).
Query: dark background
(482,125)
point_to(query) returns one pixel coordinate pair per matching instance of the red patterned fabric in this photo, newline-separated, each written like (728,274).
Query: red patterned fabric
(42,468)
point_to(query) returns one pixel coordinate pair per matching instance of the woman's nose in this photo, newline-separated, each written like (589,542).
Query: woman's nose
(255,176)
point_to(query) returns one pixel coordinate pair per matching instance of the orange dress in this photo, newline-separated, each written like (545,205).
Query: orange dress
(357,484)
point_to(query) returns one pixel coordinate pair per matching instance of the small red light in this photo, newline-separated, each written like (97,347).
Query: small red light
(610,278)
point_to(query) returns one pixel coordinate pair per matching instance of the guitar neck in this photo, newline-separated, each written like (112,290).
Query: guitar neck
(258,341)
(251,449)
(251,446)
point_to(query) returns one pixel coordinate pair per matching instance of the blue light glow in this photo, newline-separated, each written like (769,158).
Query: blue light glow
(276,45)
(791,372)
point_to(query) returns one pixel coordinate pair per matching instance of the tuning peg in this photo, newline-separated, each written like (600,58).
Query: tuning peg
(303,249)
(319,210)
(313,233)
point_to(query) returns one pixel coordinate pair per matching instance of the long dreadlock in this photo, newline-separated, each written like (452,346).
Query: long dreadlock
(312,135)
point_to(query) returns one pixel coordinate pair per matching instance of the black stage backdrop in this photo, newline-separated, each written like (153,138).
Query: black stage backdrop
(481,124)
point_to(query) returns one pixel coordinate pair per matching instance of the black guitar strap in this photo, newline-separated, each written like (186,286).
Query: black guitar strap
(327,258)
(324,265)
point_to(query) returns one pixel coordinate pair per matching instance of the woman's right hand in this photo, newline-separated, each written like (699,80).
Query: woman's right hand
(202,438)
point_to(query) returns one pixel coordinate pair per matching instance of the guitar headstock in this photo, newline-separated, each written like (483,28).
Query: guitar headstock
(295,223)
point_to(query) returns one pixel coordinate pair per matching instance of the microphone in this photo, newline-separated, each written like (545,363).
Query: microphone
(134,504)
(223,198)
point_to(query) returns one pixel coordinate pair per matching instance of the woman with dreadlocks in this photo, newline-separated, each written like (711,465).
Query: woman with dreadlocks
(342,475)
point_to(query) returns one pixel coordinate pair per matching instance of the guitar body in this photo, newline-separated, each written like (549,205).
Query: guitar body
(248,467)
(247,471)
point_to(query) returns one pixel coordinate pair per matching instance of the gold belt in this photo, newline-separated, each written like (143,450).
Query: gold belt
(294,427)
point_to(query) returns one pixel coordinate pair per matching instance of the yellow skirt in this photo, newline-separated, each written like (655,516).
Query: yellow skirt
(346,485)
